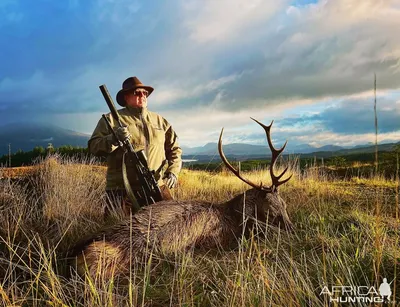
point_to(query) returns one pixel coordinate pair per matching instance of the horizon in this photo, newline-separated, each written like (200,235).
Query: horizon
(301,147)
(307,65)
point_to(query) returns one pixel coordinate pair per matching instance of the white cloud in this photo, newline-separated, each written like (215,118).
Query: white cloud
(331,48)
(173,92)
(367,26)
(222,20)
(201,125)
(329,138)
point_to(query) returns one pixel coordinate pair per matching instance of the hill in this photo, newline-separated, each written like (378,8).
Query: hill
(26,136)
(246,151)
(241,149)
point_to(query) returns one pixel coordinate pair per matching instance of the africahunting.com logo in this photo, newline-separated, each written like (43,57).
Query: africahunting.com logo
(359,294)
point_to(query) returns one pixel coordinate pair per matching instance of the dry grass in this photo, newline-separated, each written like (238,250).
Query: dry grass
(346,234)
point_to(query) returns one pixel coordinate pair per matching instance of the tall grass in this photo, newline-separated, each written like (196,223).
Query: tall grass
(335,243)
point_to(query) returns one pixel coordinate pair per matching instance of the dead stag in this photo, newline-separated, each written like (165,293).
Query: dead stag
(173,226)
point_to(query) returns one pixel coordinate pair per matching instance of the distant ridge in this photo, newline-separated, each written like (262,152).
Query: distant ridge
(242,150)
(248,149)
(26,136)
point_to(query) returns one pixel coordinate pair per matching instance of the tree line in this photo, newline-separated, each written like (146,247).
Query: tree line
(388,161)
(25,158)
(358,164)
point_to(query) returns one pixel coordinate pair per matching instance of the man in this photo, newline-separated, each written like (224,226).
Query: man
(146,131)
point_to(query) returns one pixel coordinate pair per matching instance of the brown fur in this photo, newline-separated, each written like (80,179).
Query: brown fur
(172,226)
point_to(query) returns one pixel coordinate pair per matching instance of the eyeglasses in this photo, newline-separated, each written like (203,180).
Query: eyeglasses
(140,92)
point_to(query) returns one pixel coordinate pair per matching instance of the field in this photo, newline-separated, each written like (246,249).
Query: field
(346,234)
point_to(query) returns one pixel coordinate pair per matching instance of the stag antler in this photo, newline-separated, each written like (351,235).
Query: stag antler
(275,155)
(228,165)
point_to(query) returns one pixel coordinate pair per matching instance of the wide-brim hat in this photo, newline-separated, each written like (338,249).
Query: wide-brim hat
(130,85)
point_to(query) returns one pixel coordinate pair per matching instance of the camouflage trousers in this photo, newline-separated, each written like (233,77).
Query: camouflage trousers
(116,199)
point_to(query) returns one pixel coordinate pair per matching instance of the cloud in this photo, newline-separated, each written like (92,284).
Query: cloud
(212,63)
(201,125)
(331,48)
(353,116)
(220,21)
(349,121)
(172,93)
(327,138)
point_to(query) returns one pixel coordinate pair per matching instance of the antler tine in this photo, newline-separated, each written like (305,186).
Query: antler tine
(284,181)
(283,173)
(228,165)
(275,154)
(268,132)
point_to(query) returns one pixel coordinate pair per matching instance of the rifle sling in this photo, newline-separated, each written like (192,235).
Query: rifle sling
(128,189)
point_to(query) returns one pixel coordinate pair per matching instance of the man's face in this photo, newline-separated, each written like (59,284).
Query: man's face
(137,99)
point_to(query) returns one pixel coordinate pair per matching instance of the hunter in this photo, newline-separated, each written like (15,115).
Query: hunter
(146,131)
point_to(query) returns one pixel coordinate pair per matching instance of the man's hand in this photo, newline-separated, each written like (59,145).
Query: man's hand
(170,180)
(123,133)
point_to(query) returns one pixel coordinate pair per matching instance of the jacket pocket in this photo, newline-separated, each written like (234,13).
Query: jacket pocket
(158,134)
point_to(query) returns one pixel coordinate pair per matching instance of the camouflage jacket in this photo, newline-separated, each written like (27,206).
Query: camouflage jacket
(150,132)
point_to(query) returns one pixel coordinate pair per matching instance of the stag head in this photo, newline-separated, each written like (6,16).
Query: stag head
(269,206)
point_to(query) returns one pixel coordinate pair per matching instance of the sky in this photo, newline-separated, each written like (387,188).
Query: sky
(307,65)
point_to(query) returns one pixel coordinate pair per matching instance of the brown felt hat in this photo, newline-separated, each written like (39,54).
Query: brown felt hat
(130,85)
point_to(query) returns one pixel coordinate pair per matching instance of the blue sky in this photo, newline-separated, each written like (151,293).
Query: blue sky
(308,65)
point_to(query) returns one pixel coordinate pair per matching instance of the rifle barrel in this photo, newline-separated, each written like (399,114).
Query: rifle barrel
(110,103)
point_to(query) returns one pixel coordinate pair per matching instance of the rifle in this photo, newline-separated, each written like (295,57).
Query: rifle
(138,159)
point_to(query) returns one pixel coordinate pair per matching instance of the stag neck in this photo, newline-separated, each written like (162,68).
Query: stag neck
(245,202)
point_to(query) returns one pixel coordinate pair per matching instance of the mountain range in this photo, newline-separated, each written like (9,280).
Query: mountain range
(26,136)
(247,149)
